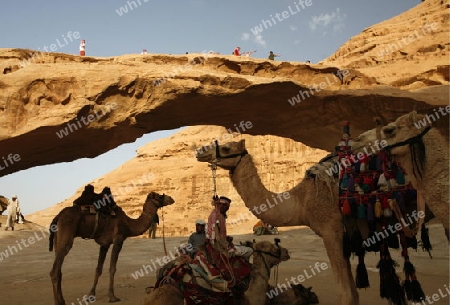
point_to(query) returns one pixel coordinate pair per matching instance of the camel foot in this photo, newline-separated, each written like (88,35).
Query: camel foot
(61,302)
(113,299)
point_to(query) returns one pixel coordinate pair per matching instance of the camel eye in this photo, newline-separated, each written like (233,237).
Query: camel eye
(226,148)
(389,131)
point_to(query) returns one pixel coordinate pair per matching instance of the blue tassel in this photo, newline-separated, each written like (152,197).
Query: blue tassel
(344,182)
(351,184)
(400,179)
(361,211)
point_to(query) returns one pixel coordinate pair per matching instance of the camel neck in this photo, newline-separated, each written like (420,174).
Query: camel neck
(142,223)
(259,280)
(278,209)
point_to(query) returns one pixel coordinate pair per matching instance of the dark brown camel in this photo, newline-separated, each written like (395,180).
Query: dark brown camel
(72,222)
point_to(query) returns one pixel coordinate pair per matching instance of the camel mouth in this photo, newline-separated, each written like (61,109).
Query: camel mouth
(203,158)
(284,255)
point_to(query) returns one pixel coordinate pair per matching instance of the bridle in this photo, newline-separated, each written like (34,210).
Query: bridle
(417,149)
(160,204)
(277,255)
(218,156)
(411,140)
(160,201)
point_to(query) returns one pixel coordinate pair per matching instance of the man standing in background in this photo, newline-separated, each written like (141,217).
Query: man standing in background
(13,209)
(153,227)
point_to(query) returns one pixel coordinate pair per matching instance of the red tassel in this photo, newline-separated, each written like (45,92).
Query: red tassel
(346,209)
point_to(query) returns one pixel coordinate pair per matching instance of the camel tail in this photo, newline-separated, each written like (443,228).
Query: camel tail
(52,236)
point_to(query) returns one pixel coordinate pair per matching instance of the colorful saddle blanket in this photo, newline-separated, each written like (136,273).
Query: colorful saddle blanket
(200,281)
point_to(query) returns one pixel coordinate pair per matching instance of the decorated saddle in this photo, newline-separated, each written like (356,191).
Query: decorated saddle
(379,206)
(203,283)
(93,203)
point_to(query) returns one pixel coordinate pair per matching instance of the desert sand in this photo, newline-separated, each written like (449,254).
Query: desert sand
(25,275)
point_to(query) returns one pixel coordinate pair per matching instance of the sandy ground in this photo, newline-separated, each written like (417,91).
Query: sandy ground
(25,274)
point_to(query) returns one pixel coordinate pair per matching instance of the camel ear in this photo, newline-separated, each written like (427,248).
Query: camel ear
(242,143)
(412,118)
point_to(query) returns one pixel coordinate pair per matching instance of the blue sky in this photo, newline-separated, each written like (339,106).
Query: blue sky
(312,31)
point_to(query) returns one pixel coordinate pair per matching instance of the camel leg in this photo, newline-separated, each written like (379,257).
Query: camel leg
(112,269)
(348,295)
(98,271)
(56,274)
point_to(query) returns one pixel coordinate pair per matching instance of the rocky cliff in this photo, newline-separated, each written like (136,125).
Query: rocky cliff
(59,103)
(169,166)
(409,51)
(57,107)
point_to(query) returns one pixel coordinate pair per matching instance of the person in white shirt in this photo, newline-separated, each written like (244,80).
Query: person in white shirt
(13,210)
(82,47)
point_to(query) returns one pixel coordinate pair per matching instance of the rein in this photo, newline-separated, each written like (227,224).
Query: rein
(161,205)
(417,149)
(410,141)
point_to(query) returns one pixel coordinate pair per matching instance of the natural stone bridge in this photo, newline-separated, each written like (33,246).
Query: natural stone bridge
(57,108)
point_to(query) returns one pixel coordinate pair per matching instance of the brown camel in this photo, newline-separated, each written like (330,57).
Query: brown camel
(313,203)
(71,222)
(265,256)
(423,153)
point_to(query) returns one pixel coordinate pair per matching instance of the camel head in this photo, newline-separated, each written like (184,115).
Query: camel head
(226,155)
(273,253)
(159,200)
(395,136)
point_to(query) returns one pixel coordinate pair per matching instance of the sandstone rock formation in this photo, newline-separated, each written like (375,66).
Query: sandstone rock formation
(409,51)
(57,107)
(168,165)
(110,101)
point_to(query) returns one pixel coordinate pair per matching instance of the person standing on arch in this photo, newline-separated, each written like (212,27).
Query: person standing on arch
(82,47)
(272,55)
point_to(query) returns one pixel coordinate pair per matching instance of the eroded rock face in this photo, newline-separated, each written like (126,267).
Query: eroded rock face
(169,166)
(56,107)
(409,51)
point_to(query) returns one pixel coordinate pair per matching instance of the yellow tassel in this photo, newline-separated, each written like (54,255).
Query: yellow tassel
(378,210)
